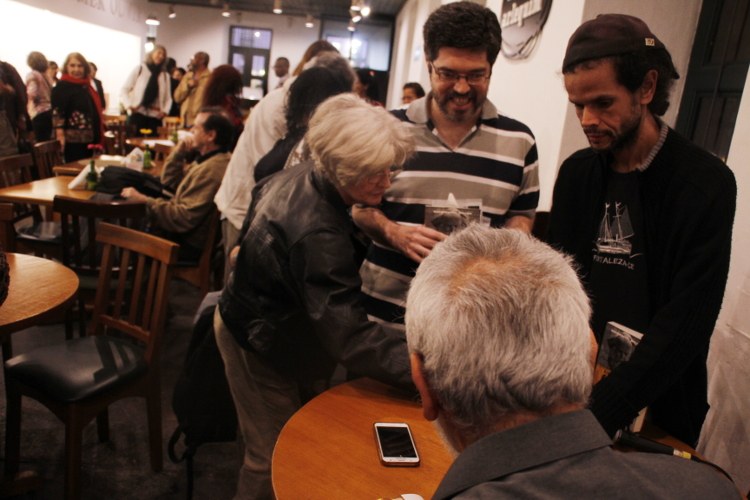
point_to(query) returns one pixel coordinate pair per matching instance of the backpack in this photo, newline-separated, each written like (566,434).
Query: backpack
(114,178)
(201,400)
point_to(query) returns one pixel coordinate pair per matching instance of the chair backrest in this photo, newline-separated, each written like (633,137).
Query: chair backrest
(17,169)
(79,220)
(7,231)
(161,151)
(210,264)
(115,135)
(47,154)
(141,265)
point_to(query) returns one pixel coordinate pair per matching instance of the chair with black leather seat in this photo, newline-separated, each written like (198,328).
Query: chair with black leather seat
(78,379)
(34,235)
(80,251)
(47,154)
(7,231)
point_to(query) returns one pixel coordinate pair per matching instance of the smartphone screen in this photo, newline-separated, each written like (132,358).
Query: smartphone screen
(395,444)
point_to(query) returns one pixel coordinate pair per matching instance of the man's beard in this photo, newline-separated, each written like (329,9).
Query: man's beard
(443,101)
(626,138)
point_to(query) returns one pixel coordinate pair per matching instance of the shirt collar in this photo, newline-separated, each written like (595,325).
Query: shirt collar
(503,453)
(418,111)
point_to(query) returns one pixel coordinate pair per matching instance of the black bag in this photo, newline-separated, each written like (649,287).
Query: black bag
(113,179)
(201,400)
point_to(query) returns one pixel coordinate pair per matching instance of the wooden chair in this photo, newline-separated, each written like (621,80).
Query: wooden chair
(30,226)
(80,251)
(115,137)
(47,155)
(78,379)
(162,151)
(208,272)
(7,231)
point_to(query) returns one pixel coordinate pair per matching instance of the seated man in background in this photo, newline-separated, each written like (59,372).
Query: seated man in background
(505,367)
(194,171)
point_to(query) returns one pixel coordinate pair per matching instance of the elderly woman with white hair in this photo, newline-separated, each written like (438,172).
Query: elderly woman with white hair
(292,308)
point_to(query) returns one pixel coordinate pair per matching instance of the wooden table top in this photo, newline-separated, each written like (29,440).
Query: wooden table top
(38,288)
(43,191)
(327,449)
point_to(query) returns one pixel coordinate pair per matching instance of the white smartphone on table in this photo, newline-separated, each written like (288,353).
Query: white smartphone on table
(396,444)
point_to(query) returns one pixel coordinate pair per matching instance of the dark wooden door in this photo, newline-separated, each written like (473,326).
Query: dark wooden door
(716,75)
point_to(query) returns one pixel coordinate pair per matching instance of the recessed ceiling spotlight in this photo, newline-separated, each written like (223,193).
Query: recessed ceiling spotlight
(365,11)
(172,13)
(309,21)
(152,21)
(351,26)
(226,12)
(277,7)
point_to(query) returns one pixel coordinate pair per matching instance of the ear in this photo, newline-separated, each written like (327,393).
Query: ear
(648,87)
(430,405)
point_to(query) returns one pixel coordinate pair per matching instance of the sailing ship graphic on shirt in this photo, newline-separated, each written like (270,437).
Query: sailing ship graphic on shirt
(615,231)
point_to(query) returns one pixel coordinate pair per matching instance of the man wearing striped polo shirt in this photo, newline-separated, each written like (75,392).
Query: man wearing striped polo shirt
(468,156)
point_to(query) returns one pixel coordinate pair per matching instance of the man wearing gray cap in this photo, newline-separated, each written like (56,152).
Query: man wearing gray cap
(648,217)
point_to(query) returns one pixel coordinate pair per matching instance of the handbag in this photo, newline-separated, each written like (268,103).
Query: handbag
(114,178)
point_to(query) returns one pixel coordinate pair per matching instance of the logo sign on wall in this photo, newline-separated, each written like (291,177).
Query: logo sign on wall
(522,22)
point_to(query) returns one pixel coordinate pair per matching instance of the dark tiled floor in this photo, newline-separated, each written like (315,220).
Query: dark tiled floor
(119,469)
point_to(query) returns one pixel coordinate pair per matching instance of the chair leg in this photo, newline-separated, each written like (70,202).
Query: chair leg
(153,411)
(12,430)
(102,425)
(73,446)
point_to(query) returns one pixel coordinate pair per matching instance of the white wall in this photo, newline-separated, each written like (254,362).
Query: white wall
(112,32)
(725,438)
(105,37)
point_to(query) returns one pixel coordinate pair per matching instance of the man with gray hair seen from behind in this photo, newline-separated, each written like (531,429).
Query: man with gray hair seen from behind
(647,215)
(497,325)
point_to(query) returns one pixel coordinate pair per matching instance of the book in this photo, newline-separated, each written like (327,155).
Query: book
(616,347)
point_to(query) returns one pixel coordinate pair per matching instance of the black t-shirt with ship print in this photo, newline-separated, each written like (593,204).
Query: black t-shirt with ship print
(619,278)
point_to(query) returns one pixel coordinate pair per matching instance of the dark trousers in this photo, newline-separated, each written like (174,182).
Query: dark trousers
(42,124)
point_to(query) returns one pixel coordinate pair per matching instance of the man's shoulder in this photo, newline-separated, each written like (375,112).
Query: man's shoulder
(508,124)
(694,161)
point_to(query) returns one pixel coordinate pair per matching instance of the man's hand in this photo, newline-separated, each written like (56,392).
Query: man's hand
(416,242)
(133,194)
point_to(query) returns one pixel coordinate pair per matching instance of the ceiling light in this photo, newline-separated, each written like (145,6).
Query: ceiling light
(152,21)
(150,44)
(309,21)
(172,13)
(226,12)
(356,5)
(365,11)
(351,26)
(277,7)
(356,17)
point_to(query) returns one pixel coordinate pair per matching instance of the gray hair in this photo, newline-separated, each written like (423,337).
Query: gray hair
(502,323)
(350,139)
(339,66)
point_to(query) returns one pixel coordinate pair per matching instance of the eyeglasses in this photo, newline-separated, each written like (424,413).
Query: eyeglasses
(390,173)
(453,77)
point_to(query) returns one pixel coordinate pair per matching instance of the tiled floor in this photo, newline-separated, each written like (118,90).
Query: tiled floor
(120,468)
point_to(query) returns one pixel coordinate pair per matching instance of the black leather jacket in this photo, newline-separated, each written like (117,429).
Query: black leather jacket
(294,296)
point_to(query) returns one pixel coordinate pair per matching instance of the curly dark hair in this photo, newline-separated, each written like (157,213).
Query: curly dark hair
(631,69)
(462,25)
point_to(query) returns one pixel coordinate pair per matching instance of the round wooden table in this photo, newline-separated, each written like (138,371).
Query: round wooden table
(327,449)
(38,289)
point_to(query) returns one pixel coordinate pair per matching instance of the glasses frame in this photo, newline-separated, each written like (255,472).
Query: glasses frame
(453,77)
